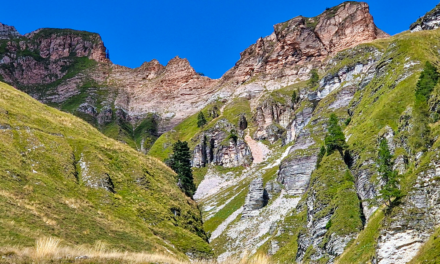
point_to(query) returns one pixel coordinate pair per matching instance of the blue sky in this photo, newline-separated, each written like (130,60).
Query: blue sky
(210,34)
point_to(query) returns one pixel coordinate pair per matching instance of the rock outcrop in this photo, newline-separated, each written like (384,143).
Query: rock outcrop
(416,220)
(272,119)
(428,22)
(295,174)
(7,32)
(46,55)
(222,145)
(256,199)
(304,40)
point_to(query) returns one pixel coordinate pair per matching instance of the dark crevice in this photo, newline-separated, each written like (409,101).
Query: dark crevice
(361,210)
(75,168)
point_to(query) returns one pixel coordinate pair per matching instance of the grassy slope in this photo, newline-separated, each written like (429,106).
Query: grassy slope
(382,104)
(49,158)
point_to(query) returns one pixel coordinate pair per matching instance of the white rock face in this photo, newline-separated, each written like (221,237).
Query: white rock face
(248,234)
(399,248)
(256,199)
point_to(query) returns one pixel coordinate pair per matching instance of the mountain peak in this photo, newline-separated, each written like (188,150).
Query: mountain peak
(7,32)
(306,40)
(429,21)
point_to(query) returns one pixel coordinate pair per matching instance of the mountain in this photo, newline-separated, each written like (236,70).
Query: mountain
(261,188)
(61,177)
(321,143)
(69,70)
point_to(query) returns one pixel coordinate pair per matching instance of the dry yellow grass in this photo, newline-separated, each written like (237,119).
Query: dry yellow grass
(51,250)
(46,246)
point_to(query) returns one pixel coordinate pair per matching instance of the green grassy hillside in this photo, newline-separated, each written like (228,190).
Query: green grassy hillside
(60,177)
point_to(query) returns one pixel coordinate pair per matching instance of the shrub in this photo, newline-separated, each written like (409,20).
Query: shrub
(390,189)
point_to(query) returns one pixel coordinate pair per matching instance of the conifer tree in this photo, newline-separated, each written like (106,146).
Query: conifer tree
(180,162)
(421,132)
(321,155)
(335,139)
(314,78)
(294,97)
(390,189)
(201,121)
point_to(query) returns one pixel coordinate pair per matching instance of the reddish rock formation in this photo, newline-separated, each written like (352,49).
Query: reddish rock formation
(50,65)
(304,40)
(7,32)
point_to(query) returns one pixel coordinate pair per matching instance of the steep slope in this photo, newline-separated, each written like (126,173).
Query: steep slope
(61,177)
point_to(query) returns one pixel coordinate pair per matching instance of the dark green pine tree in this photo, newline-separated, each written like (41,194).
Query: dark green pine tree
(390,189)
(427,81)
(420,138)
(335,139)
(201,121)
(294,97)
(321,155)
(180,162)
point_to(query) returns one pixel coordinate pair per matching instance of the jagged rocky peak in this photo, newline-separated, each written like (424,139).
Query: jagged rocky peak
(306,40)
(178,68)
(427,22)
(152,69)
(345,25)
(7,32)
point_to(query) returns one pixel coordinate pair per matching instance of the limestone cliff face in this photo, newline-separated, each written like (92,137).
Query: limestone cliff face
(428,22)
(174,91)
(272,119)
(302,40)
(256,199)
(222,145)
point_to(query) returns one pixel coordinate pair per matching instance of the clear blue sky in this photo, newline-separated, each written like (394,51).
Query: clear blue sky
(210,34)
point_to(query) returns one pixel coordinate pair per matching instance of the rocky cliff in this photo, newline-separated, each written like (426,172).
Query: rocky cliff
(428,22)
(301,43)
(8,32)
(330,208)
